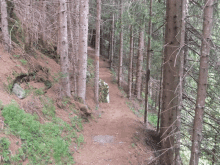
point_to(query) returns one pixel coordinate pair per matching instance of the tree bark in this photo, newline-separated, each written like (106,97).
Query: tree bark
(202,83)
(140,63)
(4,22)
(112,38)
(148,65)
(76,45)
(83,33)
(130,62)
(64,60)
(170,81)
(97,51)
(43,23)
(181,36)
(27,21)
(121,48)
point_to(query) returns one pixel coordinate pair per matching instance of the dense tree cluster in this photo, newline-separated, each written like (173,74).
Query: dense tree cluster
(165,53)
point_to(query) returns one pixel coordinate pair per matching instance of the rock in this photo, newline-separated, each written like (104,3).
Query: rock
(103,139)
(103,92)
(18,91)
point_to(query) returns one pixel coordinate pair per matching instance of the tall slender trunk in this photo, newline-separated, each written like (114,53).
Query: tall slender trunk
(4,22)
(64,60)
(140,63)
(202,83)
(130,62)
(160,98)
(97,51)
(72,58)
(170,81)
(148,65)
(43,23)
(161,83)
(112,38)
(121,48)
(181,37)
(27,21)
(82,63)
(75,31)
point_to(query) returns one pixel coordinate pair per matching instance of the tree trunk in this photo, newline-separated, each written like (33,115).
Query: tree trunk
(181,36)
(202,83)
(121,48)
(27,21)
(4,22)
(76,45)
(43,23)
(130,62)
(72,58)
(140,63)
(148,65)
(83,33)
(97,51)
(170,81)
(64,60)
(112,38)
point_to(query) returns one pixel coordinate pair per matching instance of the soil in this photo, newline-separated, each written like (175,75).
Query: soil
(113,136)
(116,136)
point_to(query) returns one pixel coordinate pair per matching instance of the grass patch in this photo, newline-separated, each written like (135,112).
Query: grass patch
(39,91)
(23,61)
(4,149)
(77,123)
(8,87)
(152,118)
(49,110)
(41,143)
(114,76)
(90,74)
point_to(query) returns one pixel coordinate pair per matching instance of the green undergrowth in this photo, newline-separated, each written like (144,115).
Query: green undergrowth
(90,71)
(152,118)
(46,143)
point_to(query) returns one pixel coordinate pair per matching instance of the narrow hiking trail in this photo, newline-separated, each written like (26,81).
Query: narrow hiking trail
(110,138)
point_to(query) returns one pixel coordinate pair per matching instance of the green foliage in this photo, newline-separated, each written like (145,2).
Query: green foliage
(4,149)
(8,87)
(133,145)
(114,75)
(49,108)
(152,118)
(57,77)
(90,61)
(23,61)
(103,91)
(40,142)
(39,91)
(16,55)
(77,123)
(90,70)
(80,140)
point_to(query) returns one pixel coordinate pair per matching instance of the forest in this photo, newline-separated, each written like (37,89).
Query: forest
(163,55)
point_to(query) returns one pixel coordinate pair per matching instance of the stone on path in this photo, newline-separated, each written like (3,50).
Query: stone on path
(103,139)
(103,92)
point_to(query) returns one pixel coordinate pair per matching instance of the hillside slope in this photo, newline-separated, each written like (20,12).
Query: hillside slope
(114,135)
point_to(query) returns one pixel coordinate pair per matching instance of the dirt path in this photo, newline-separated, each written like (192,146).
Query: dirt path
(119,123)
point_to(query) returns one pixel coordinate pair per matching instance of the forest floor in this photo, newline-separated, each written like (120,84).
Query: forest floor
(117,135)
(114,135)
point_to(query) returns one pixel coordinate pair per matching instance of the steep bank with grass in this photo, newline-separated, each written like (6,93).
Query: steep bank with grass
(42,128)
